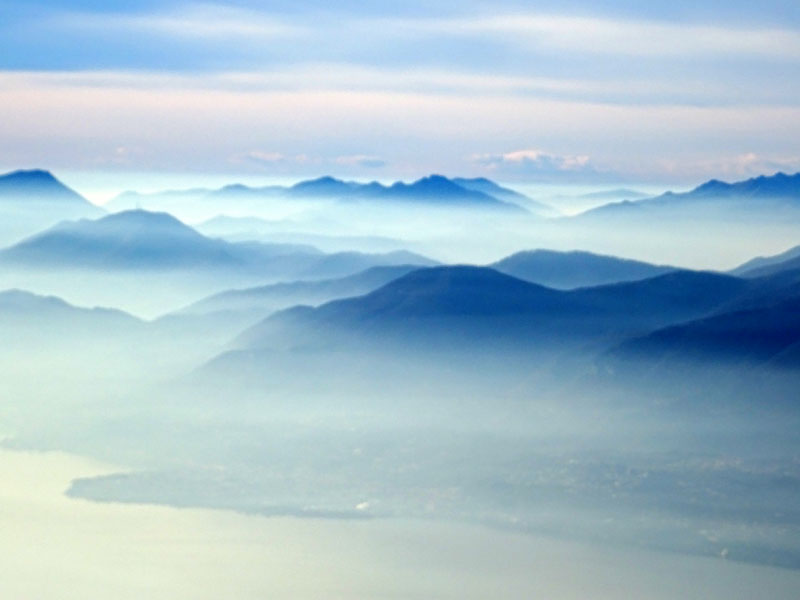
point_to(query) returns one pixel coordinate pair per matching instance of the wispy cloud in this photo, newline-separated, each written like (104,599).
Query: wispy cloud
(597,35)
(191,85)
(361,160)
(202,22)
(537,164)
(740,166)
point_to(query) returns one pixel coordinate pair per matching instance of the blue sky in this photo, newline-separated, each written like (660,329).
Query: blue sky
(522,91)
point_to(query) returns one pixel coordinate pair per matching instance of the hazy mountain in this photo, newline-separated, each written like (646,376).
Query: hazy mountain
(43,323)
(575,269)
(130,239)
(434,190)
(178,261)
(247,306)
(437,189)
(32,200)
(38,186)
(327,187)
(769,265)
(17,305)
(779,192)
(489,187)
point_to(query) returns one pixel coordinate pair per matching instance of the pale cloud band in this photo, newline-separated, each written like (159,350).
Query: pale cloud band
(209,86)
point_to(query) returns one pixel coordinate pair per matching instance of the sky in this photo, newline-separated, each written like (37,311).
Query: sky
(672,92)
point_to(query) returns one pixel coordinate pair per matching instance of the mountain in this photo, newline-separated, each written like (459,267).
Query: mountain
(254,304)
(779,191)
(341,264)
(35,199)
(435,190)
(157,242)
(470,305)
(38,186)
(16,305)
(754,336)
(326,186)
(37,321)
(575,269)
(489,187)
(131,239)
(769,265)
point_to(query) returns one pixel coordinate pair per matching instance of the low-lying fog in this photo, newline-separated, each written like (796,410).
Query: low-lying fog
(320,403)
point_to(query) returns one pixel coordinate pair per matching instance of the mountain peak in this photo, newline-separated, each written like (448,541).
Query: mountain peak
(38,175)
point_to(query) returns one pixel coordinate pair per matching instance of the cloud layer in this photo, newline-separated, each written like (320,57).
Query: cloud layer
(656,91)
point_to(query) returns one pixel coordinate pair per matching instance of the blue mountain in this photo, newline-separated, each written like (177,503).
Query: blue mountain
(31,318)
(565,270)
(140,239)
(37,186)
(748,337)
(763,192)
(131,239)
(467,305)
(769,265)
(33,200)
(433,190)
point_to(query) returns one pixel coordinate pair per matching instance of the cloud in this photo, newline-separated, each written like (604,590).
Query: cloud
(269,159)
(272,159)
(198,21)
(731,168)
(539,164)
(602,35)
(361,160)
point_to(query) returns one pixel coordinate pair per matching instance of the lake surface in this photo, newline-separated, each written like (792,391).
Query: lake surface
(54,547)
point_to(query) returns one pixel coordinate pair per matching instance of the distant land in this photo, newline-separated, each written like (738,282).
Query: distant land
(575,269)
(145,240)
(434,190)
(457,303)
(34,199)
(764,193)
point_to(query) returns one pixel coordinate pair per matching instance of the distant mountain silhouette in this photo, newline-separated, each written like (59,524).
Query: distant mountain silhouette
(755,336)
(489,187)
(39,186)
(33,200)
(779,190)
(32,318)
(575,269)
(433,190)
(131,239)
(341,264)
(324,186)
(471,304)
(259,302)
(157,241)
(770,265)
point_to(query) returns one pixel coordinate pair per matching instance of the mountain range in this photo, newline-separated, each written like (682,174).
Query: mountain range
(432,191)
(458,310)
(765,196)
(459,303)
(145,240)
